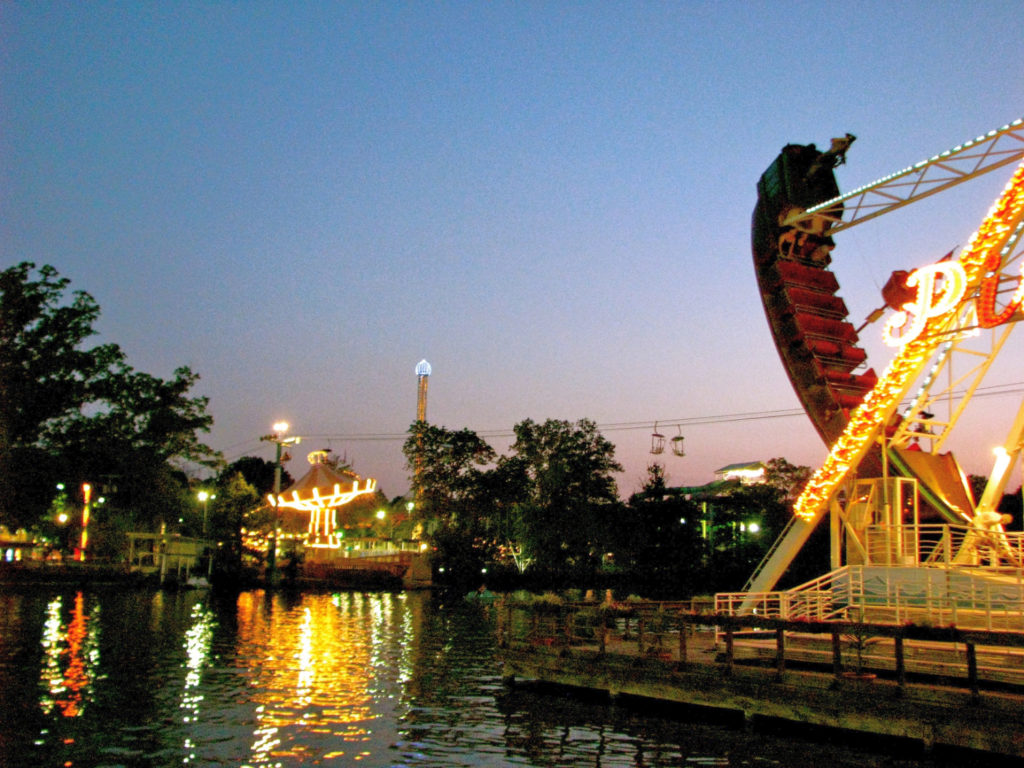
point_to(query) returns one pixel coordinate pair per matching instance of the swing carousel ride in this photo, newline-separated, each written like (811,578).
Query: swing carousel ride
(899,504)
(320,493)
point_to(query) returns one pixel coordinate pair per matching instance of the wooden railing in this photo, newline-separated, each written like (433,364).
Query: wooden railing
(691,632)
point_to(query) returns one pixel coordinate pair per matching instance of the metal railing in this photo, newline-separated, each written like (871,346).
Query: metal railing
(943,545)
(941,574)
(986,598)
(825,598)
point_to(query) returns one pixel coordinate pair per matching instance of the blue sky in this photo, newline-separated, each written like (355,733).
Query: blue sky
(548,201)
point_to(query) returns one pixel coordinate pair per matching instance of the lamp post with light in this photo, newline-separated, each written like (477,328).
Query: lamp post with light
(387,526)
(278,438)
(204,498)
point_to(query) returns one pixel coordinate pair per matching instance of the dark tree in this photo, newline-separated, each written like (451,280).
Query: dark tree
(659,546)
(446,471)
(235,501)
(259,473)
(72,413)
(654,483)
(788,479)
(503,492)
(447,475)
(746,522)
(570,468)
(45,376)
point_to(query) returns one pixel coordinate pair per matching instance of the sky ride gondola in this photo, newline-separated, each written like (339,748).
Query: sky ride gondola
(657,441)
(678,448)
(676,443)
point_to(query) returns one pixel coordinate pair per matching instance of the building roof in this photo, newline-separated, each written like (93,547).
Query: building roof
(323,477)
(739,466)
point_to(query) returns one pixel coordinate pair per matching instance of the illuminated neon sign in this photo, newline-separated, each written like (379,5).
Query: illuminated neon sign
(941,288)
(986,303)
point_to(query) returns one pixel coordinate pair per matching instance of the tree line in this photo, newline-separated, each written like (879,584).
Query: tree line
(548,514)
(73,414)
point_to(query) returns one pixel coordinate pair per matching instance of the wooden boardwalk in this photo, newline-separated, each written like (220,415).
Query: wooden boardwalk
(937,695)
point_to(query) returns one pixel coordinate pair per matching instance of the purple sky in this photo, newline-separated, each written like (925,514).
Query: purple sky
(550,202)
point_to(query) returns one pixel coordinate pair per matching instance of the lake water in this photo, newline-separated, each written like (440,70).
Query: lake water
(149,678)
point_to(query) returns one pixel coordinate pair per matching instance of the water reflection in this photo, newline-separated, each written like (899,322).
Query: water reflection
(70,657)
(197,652)
(159,679)
(319,667)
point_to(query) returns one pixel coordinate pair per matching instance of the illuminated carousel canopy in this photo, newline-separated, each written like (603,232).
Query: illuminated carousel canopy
(320,492)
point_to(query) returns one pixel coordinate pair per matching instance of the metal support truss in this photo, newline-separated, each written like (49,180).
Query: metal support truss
(950,393)
(995,149)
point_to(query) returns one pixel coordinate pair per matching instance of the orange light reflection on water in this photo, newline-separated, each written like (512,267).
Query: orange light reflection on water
(313,669)
(70,657)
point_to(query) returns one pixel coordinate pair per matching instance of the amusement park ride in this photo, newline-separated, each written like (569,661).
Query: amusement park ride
(897,500)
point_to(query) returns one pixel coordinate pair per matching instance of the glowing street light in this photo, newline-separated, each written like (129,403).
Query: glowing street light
(204,497)
(382,515)
(279,439)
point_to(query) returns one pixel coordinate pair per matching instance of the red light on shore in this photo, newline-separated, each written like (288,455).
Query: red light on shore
(86,496)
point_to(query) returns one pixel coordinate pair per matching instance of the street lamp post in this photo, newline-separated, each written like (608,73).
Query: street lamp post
(204,497)
(387,526)
(279,440)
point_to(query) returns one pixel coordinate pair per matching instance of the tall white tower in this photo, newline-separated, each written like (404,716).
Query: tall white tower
(422,374)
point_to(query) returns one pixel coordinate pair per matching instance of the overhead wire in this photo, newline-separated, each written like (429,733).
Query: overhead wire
(995,390)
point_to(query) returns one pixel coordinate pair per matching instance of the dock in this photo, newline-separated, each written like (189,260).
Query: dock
(922,686)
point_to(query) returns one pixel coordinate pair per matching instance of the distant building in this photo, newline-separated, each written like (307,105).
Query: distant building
(748,473)
(727,479)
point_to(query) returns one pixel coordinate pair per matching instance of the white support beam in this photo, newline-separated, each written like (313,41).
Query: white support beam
(1006,458)
(995,149)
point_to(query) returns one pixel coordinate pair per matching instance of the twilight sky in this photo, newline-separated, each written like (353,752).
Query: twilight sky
(550,202)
